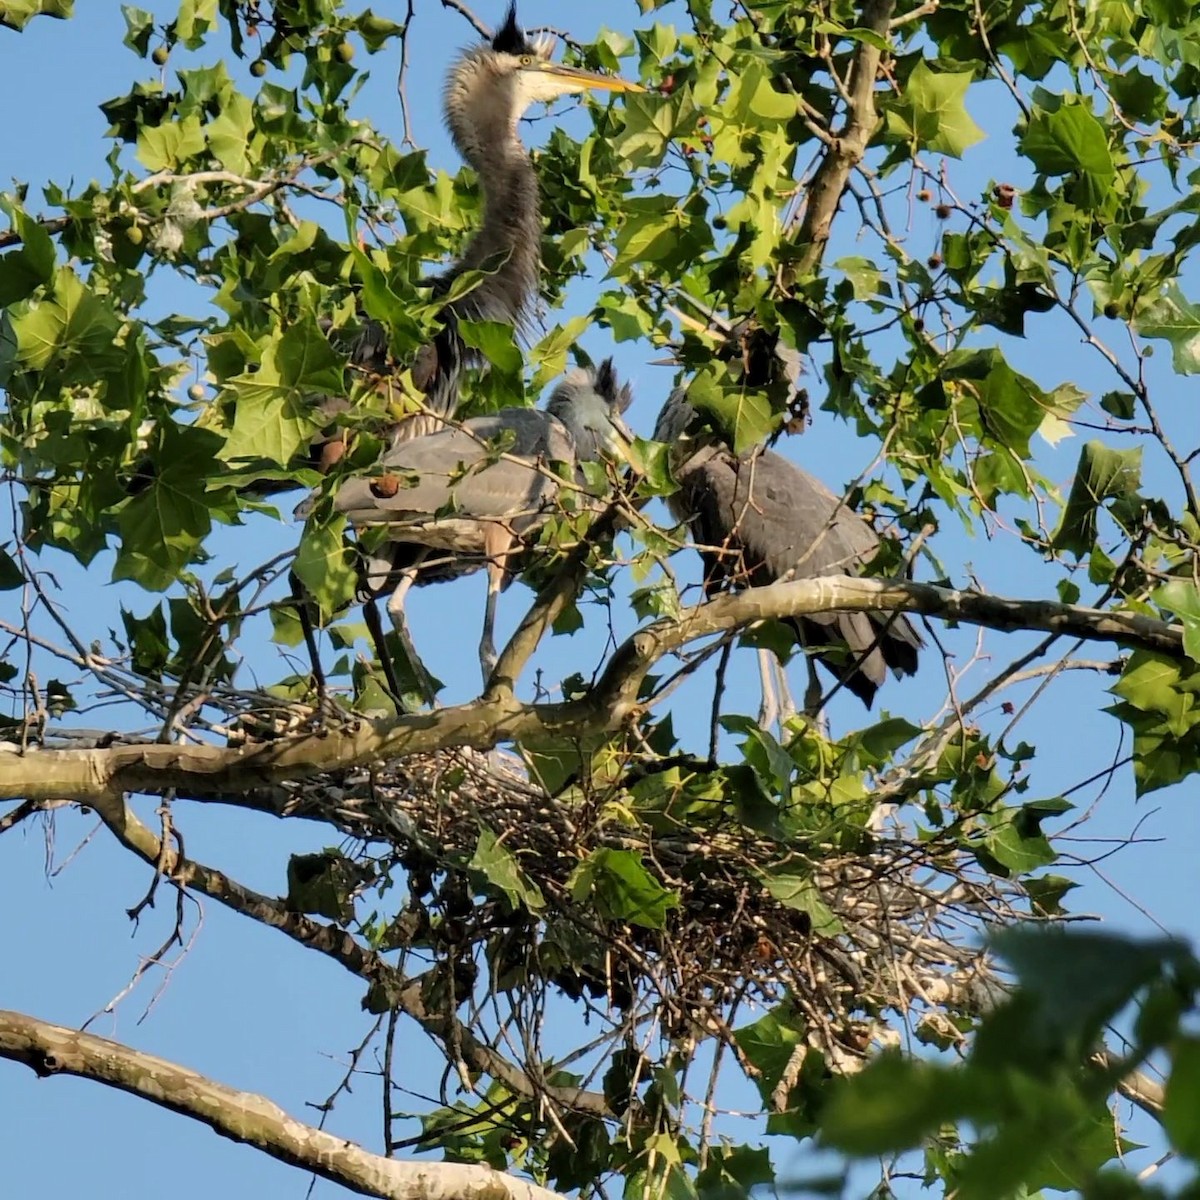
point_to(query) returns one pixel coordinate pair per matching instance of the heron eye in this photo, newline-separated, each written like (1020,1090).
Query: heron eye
(526,60)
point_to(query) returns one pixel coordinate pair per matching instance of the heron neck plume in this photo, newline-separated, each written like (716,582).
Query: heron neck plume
(507,242)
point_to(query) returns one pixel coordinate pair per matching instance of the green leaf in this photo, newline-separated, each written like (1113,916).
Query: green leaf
(165,147)
(75,330)
(735,1172)
(1017,851)
(1151,683)
(743,416)
(196,18)
(893,1103)
(621,888)
(549,356)
(11,575)
(325,565)
(16,14)
(769,1045)
(496,342)
(139,27)
(931,113)
(1076,980)
(163,527)
(1102,474)
(1182,597)
(23,271)
(322,884)
(276,412)
(1171,316)
(801,893)
(1046,893)
(493,859)
(229,134)
(376,31)
(1068,140)
(1181,1113)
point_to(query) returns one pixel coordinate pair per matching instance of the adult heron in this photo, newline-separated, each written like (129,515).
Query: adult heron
(488,90)
(757,518)
(472,496)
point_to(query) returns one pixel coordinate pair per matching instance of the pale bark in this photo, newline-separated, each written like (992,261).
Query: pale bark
(247,1117)
(498,717)
(845,150)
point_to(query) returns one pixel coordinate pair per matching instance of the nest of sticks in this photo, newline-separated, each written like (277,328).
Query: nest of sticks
(876,940)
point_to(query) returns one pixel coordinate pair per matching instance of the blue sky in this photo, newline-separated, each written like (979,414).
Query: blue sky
(246,1006)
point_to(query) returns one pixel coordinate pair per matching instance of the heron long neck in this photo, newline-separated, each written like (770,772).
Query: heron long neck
(507,242)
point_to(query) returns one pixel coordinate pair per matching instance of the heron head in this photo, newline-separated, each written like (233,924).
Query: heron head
(513,71)
(677,419)
(590,402)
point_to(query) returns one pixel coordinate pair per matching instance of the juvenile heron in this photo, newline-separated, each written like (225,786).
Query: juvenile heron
(488,90)
(473,496)
(757,518)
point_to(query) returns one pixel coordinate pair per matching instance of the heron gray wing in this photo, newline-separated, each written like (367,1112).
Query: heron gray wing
(457,467)
(760,518)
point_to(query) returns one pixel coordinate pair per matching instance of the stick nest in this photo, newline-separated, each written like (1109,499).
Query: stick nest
(853,940)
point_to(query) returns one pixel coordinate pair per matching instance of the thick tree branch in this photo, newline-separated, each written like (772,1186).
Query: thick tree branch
(404,993)
(1136,1086)
(498,717)
(247,1117)
(845,150)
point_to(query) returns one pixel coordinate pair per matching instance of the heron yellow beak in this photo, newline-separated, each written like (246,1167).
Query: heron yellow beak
(577,79)
(626,448)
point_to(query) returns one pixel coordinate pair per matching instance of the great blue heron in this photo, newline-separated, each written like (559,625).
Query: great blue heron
(758,518)
(488,89)
(472,495)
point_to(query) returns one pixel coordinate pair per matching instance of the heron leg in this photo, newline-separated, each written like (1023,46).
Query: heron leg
(395,608)
(375,628)
(814,696)
(787,706)
(768,712)
(488,656)
(300,600)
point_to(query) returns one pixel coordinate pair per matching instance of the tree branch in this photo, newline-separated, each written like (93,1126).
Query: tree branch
(1136,1086)
(86,775)
(845,150)
(248,1117)
(404,993)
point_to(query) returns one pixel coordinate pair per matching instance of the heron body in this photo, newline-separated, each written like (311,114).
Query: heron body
(758,518)
(473,495)
(488,90)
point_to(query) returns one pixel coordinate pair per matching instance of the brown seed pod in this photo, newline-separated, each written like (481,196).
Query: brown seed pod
(385,487)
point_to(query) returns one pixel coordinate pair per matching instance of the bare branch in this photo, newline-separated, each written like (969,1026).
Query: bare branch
(248,1117)
(481,27)
(403,992)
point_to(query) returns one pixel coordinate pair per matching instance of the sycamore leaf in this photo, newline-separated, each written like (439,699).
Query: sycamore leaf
(494,860)
(1102,474)
(16,14)
(1171,316)
(621,888)
(1182,597)
(931,113)
(1068,140)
